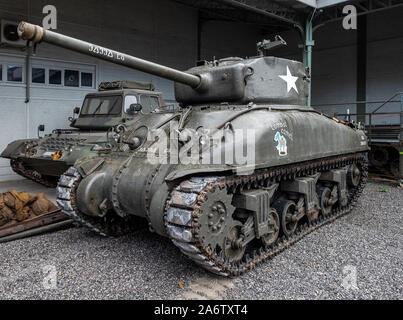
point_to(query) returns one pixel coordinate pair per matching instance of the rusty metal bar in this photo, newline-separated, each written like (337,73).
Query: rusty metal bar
(33,223)
(36,231)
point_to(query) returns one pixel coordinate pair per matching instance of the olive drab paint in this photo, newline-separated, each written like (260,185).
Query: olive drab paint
(307,166)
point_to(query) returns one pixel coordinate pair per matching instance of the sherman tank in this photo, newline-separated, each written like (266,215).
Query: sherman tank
(240,172)
(114,106)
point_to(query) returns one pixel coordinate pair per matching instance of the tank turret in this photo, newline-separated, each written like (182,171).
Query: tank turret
(234,80)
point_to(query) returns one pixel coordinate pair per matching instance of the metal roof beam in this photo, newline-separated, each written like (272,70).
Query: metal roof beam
(363,7)
(318,4)
(328,3)
(274,14)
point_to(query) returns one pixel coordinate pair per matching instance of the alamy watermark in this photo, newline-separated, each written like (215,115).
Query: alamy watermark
(45,276)
(50,20)
(49,281)
(349,281)
(350,20)
(202,147)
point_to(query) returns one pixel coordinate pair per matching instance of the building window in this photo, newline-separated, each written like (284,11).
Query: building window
(71,78)
(14,73)
(86,79)
(55,76)
(43,73)
(38,75)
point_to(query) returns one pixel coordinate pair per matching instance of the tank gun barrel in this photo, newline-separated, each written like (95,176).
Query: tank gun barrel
(36,34)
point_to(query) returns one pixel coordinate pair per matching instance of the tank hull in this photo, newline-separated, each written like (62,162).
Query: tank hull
(137,183)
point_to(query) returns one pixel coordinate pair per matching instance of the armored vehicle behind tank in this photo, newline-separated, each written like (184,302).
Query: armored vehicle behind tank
(240,173)
(111,108)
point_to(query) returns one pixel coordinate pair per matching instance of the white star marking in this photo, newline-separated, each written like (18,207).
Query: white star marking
(290,79)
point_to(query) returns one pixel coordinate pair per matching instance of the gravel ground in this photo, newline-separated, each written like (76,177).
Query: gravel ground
(367,243)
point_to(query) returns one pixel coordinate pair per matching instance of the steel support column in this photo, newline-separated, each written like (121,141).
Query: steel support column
(307,34)
(307,55)
(361,66)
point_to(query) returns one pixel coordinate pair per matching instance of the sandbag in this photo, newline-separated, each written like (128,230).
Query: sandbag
(19,206)
(9,200)
(6,215)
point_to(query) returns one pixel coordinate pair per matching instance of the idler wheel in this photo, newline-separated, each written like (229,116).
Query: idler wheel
(288,216)
(353,175)
(325,198)
(274,228)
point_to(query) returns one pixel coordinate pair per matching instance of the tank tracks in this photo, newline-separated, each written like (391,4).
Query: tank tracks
(19,168)
(109,225)
(191,194)
(182,212)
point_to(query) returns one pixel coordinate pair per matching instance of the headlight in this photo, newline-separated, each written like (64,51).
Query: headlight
(203,140)
(101,147)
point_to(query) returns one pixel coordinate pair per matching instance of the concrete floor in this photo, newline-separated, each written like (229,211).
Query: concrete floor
(28,186)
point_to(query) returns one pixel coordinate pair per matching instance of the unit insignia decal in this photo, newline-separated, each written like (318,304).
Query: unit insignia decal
(281,144)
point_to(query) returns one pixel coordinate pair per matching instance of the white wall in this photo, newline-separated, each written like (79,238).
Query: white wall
(157,30)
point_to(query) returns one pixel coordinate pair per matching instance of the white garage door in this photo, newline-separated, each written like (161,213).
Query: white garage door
(56,88)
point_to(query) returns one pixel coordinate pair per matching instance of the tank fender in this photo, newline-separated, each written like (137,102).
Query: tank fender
(213,169)
(15,149)
(158,203)
(157,190)
(89,165)
(181,173)
(90,197)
